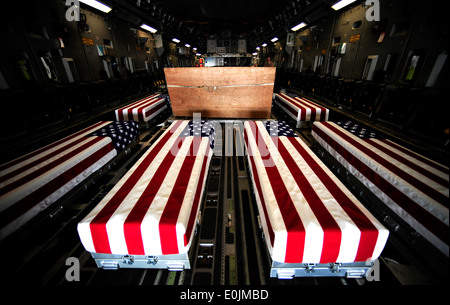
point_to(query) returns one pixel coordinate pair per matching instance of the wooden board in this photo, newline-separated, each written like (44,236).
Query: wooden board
(221,92)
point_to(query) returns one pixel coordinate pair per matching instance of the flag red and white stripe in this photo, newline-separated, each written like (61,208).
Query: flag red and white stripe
(414,187)
(31,183)
(142,110)
(153,209)
(301,109)
(307,214)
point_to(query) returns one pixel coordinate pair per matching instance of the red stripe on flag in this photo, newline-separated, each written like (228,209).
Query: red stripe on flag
(98,224)
(410,164)
(132,225)
(25,204)
(323,110)
(369,233)
(120,116)
(442,199)
(331,230)
(151,111)
(136,106)
(48,167)
(288,106)
(259,190)
(421,215)
(197,198)
(137,102)
(294,226)
(48,147)
(432,164)
(40,160)
(297,104)
(168,221)
(130,107)
(307,105)
(140,111)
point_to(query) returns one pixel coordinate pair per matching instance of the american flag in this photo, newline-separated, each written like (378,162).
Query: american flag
(301,109)
(411,185)
(121,133)
(142,110)
(360,130)
(308,215)
(200,129)
(31,183)
(153,209)
(278,129)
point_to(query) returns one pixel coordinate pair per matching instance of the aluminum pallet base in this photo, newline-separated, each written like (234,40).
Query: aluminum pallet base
(347,270)
(176,262)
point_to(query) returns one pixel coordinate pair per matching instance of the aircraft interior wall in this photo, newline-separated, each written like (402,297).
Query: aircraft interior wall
(59,76)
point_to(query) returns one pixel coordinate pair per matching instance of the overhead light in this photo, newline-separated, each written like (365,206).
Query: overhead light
(298,26)
(98,5)
(274,39)
(258,48)
(149,28)
(341,4)
(264,44)
(255,53)
(194,48)
(187,45)
(198,54)
(175,40)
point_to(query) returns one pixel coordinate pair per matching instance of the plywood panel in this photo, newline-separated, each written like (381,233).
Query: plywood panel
(221,92)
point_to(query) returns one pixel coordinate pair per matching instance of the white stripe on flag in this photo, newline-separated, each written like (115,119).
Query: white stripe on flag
(150,223)
(309,204)
(16,194)
(115,223)
(416,194)
(164,218)
(436,210)
(44,151)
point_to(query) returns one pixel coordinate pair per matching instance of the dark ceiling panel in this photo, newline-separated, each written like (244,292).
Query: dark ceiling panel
(196,20)
(206,10)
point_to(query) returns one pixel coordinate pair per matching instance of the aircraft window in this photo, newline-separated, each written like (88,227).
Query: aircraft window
(356,25)
(70,69)
(3,83)
(434,74)
(49,67)
(369,68)
(389,64)
(400,28)
(336,40)
(107,43)
(411,69)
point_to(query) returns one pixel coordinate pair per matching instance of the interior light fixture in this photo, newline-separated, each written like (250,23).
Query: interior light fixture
(341,4)
(264,44)
(274,39)
(298,26)
(187,45)
(97,5)
(176,40)
(149,28)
